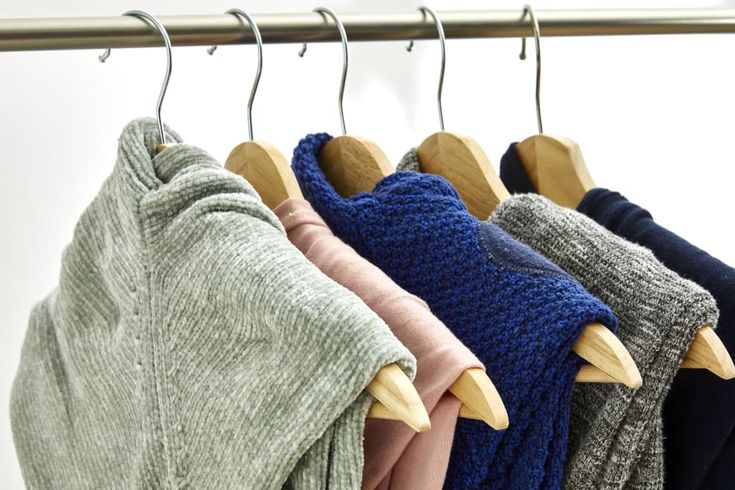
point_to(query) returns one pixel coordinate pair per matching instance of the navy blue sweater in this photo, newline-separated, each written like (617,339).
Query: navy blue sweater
(699,412)
(519,313)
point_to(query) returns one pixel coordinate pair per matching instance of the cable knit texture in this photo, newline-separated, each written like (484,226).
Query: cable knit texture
(190,345)
(519,313)
(616,439)
(395,456)
(691,443)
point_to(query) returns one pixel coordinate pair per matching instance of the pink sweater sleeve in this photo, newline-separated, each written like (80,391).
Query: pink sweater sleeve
(395,456)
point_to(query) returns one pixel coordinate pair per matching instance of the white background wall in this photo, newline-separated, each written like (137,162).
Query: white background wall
(653,116)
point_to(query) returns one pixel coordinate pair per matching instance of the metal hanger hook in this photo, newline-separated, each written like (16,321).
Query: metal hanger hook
(528,10)
(167,77)
(426,11)
(259,41)
(324,12)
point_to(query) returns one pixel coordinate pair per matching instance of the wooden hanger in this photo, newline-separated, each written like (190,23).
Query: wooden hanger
(270,174)
(354,164)
(461,161)
(150,19)
(557,170)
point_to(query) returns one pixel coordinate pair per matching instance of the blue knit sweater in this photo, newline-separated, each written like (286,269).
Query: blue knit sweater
(519,313)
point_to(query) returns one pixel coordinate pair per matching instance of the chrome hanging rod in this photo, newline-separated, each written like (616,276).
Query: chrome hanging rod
(206,30)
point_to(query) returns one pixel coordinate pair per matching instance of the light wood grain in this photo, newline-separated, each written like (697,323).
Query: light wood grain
(461,161)
(476,391)
(587,374)
(601,348)
(160,147)
(592,374)
(266,169)
(708,352)
(397,394)
(556,168)
(353,164)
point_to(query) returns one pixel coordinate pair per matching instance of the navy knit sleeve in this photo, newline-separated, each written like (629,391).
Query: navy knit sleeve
(513,174)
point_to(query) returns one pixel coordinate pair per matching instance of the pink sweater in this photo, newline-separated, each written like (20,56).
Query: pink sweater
(395,456)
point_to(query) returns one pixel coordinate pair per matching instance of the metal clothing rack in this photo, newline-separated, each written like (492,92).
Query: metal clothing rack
(201,30)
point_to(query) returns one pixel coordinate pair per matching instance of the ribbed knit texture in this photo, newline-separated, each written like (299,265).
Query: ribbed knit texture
(691,443)
(519,313)
(190,345)
(395,455)
(616,439)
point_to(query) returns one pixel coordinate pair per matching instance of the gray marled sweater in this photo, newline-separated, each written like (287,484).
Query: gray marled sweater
(616,439)
(190,345)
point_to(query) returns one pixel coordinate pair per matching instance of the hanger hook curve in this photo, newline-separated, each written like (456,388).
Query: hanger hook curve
(156,24)
(259,71)
(429,12)
(324,12)
(528,10)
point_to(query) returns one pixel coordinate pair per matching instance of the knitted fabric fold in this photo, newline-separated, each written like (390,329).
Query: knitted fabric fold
(513,173)
(616,437)
(516,311)
(395,455)
(691,443)
(190,345)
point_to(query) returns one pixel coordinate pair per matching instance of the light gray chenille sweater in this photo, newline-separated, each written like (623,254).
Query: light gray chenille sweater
(616,439)
(190,345)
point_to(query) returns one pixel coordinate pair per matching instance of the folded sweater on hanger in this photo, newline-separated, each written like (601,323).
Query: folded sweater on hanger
(616,432)
(519,313)
(395,456)
(699,412)
(190,345)
(691,442)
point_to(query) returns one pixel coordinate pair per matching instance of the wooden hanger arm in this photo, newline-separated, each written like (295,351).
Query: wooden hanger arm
(266,169)
(461,161)
(601,348)
(475,389)
(161,146)
(708,352)
(392,388)
(353,164)
(592,374)
(556,168)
